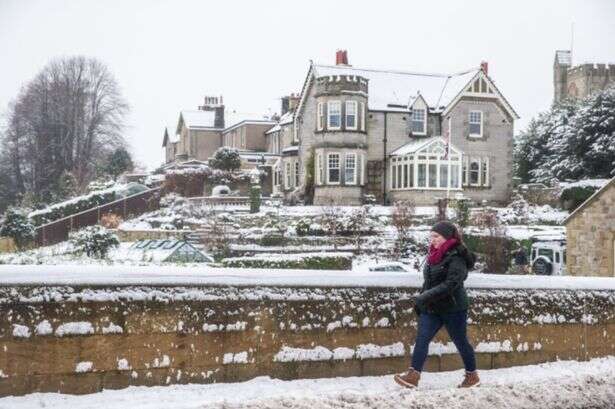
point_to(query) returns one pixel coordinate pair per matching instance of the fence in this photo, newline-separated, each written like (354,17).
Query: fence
(58,230)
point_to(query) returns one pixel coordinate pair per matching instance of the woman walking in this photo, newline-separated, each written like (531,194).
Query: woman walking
(443,302)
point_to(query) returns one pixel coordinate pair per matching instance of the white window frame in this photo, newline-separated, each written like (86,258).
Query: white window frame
(320,121)
(424,121)
(362,170)
(354,170)
(474,135)
(363,113)
(339,170)
(287,176)
(330,104)
(352,104)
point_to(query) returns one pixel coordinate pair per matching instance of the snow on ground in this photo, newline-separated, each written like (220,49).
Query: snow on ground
(597,183)
(246,277)
(562,385)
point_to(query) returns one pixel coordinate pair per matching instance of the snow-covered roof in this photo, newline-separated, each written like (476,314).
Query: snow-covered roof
(418,144)
(265,122)
(593,197)
(290,149)
(563,57)
(162,250)
(393,90)
(285,119)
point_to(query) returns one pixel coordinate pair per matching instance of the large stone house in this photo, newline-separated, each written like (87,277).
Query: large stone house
(590,235)
(579,81)
(396,135)
(199,133)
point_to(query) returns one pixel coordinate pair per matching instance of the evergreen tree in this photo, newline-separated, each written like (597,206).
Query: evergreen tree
(118,162)
(226,159)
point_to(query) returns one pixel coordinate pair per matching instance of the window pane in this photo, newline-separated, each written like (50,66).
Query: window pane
(399,180)
(351,163)
(422,175)
(334,168)
(405,175)
(411,175)
(455,176)
(443,175)
(475,129)
(474,173)
(351,114)
(484,175)
(433,175)
(394,177)
(335,112)
(418,120)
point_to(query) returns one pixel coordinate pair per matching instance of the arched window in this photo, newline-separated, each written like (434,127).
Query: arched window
(474,173)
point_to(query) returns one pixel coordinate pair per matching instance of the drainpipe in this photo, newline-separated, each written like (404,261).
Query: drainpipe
(384,161)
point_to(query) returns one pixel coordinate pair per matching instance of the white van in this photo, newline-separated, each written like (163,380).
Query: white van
(549,258)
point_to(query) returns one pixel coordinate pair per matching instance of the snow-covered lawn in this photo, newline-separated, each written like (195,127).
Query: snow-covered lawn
(562,385)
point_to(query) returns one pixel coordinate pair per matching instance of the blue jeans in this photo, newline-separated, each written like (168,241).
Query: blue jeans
(456,326)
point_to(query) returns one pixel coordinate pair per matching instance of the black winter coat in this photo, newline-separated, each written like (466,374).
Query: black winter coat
(443,291)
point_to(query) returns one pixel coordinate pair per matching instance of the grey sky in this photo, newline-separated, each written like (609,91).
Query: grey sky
(168,54)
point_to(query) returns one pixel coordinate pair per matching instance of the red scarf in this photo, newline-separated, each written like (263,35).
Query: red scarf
(437,254)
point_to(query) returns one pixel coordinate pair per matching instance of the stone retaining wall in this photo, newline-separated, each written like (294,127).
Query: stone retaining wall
(83,339)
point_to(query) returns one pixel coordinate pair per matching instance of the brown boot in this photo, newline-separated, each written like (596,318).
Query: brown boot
(470,380)
(409,379)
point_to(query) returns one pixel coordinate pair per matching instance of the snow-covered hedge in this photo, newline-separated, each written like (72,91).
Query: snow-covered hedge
(191,182)
(305,261)
(95,241)
(72,206)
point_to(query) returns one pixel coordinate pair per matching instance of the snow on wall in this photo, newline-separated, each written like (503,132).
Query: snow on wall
(320,353)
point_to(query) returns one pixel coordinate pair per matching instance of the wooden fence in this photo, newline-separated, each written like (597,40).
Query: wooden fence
(131,206)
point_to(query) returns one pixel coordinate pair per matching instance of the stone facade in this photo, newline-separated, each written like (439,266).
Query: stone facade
(590,232)
(148,335)
(380,125)
(579,81)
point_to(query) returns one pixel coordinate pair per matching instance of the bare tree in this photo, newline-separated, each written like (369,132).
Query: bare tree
(401,218)
(66,119)
(495,245)
(331,222)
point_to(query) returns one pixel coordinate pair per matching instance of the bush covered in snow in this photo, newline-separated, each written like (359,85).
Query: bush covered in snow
(95,241)
(305,261)
(72,206)
(17,226)
(573,197)
(226,158)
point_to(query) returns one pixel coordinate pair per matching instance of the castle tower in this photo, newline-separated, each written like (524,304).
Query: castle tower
(563,61)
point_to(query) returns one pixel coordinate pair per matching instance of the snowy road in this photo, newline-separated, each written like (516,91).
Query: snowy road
(563,385)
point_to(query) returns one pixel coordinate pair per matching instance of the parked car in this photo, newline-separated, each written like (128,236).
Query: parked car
(390,266)
(549,257)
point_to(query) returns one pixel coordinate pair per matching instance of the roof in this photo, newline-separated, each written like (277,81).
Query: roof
(394,90)
(591,199)
(265,122)
(418,144)
(563,57)
(198,119)
(161,250)
(285,119)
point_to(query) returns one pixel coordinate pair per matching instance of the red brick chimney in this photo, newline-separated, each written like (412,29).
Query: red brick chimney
(484,65)
(341,57)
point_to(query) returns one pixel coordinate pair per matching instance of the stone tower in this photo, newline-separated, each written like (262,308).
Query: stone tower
(563,61)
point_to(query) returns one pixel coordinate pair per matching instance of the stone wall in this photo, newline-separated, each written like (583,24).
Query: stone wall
(590,237)
(83,339)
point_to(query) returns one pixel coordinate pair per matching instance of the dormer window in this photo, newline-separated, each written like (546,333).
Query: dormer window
(334,115)
(419,121)
(351,115)
(476,124)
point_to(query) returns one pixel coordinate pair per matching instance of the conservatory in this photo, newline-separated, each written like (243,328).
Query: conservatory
(424,164)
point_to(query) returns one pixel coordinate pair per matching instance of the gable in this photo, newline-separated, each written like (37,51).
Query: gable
(481,86)
(590,200)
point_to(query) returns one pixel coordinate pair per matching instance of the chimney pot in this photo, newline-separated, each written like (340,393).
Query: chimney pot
(484,65)
(341,57)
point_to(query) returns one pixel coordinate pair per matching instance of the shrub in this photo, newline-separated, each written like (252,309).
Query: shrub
(72,206)
(495,247)
(272,239)
(95,241)
(573,197)
(302,227)
(17,226)
(255,199)
(306,261)
(401,219)
(463,212)
(226,158)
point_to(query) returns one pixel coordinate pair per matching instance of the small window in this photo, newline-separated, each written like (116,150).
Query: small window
(351,115)
(350,170)
(476,123)
(333,161)
(418,121)
(474,173)
(297,173)
(321,116)
(334,111)
(548,253)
